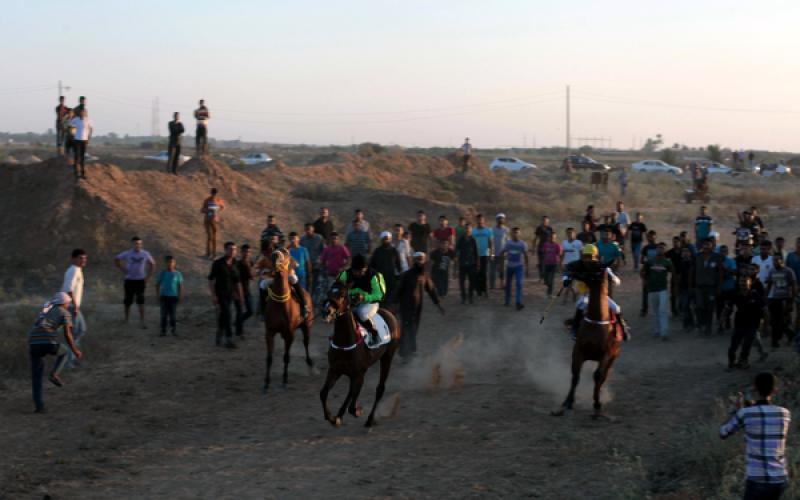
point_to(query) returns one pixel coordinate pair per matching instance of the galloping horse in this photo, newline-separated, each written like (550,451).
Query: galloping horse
(596,339)
(348,355)
(283,315)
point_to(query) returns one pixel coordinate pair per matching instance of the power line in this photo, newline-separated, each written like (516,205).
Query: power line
(624,100)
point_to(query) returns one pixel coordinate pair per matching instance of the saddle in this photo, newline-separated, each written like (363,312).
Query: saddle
(384,334)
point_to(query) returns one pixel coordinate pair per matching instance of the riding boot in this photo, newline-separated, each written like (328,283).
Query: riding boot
(297,291)
(626,330)
(374,339)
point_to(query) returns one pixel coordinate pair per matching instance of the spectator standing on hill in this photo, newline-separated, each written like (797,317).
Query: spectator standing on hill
(169,288)
(225,286)
(386,260)
(540,236)
(61,113)
(212,208)
(467,256)
(323,226)
(483,237)
(137,265)
(420,233)
(202,116)
(272,230)
(83,134)
(637,230)
(176,131)
(334,259)
(766,427)
(466,154)
(655,273)
(73,286)
(358,217)
(69,137)
(499,239)
(515,252)
(314,243)
(703,225)
(358,241)
(551,258)
(781,290)
(81,106)
(43,341)
(409,294)
(247,272)
(707,283)
(402,243)
(441,258)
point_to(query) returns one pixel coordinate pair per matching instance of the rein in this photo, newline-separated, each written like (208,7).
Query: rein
(281,265)
(338,314)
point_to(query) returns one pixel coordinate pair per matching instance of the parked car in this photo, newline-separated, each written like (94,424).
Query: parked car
(255,158)
(717,168)
(775,169)
(582,162)
(164,156)
(655,166)
(511,164)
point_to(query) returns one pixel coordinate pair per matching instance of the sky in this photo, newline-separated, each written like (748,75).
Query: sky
(414,72)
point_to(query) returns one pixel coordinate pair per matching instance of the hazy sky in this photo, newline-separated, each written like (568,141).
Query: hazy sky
(414,72)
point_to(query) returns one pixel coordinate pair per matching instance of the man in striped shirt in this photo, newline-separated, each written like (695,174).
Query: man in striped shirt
(766,426)
(43,341)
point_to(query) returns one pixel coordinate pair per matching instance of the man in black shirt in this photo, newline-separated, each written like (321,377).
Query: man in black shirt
(420,233)
(749,303)
(244,307)
(683,286)
(225,286)
(323,226)
(674,254)
(386,261)
(174,148)
(587,235)
(636,231)
(467,256)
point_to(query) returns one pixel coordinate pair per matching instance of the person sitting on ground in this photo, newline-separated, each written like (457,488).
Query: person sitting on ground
(590,254)
(366,288)
(766,426)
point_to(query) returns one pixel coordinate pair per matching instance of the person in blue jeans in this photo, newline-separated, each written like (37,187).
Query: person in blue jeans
(637,231)
(43,341)
(169,286)
(516,253)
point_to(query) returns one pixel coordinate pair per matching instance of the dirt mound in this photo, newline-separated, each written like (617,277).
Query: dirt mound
(10,160)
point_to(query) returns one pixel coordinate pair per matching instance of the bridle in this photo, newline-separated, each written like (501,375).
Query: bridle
(280,264)
(344,308)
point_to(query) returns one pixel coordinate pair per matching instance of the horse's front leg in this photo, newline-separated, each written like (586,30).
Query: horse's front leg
(330,381)
(270,348)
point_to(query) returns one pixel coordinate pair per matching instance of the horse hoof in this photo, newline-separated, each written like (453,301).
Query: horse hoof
(370,423)
(310,362)
(337,422)
(357,412)
(560,412)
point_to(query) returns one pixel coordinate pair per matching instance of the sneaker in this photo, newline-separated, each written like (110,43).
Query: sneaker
(55,380)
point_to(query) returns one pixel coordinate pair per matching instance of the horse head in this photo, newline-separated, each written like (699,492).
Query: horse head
(591,273)
(337,302)
(280,261)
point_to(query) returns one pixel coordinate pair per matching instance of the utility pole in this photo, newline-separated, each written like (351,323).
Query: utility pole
(568,120)
(62,88)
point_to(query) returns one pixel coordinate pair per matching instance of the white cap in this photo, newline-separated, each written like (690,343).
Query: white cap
(419,255)
(713,234)
(501,215)
(386,234)
(61,298)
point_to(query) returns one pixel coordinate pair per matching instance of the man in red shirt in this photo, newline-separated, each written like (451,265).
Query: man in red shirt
(61,113)
(444,232)
(334,259)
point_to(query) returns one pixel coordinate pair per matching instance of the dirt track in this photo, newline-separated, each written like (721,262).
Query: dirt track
(179,418)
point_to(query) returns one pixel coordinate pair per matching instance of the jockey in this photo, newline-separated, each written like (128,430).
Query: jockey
(591,254)
(366,288)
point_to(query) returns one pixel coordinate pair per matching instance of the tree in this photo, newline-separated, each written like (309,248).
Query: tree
(669,156)
(714,153)
(651,145)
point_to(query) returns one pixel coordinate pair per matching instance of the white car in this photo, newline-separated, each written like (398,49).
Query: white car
(779,169)
(655,166)
(255,158)
(164,156)
(717,168)
(511,164)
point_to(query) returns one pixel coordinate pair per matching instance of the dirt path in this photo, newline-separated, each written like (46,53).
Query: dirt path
(179,418)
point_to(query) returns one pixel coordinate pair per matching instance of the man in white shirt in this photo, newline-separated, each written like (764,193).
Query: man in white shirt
(73,286)
(83,133)
(571,251)
(764,261)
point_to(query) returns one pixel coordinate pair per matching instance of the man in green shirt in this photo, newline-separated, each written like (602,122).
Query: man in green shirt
(655,274)
(610,253)
(367,288)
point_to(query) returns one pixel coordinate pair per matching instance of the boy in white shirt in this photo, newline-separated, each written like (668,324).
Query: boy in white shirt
(73,286)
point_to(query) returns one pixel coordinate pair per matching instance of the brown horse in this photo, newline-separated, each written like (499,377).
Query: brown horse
(283,315)
(596,339)
(348,355)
